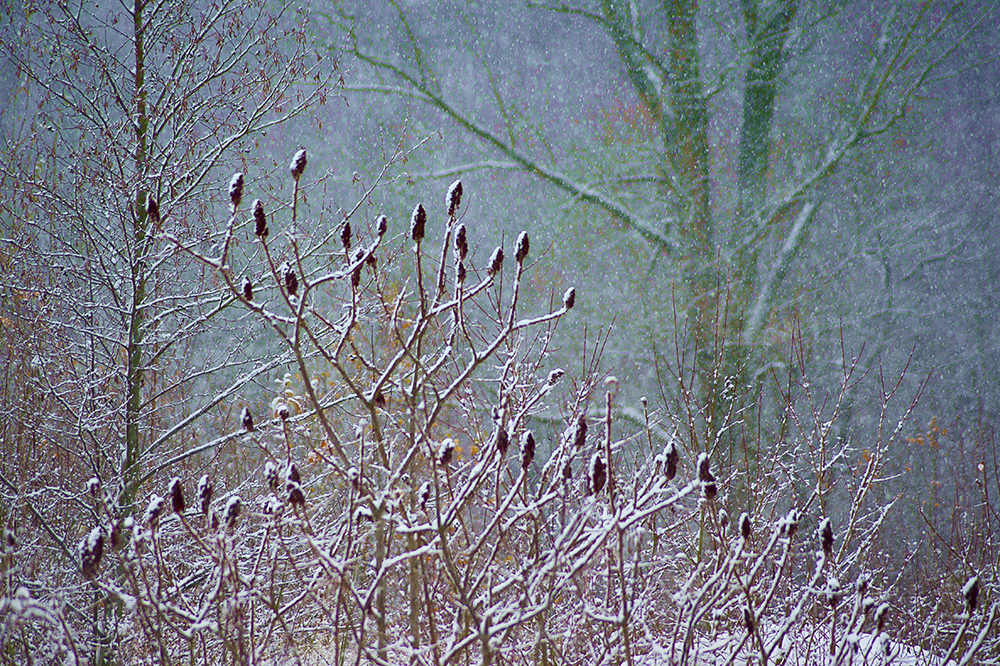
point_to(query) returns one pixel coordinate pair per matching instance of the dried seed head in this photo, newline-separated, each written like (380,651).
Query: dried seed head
(569,298)
(446,451)
(379,399)
(971,593)
(356,277)
(291,282)
(205,490)
(527,449)
(706,477)
(496,261)
(354,476)
(233,508)
(298,164)
(460,273)
(153,212)
(247,420)
(461,243)
(381,225)
(295,495)
(523,246)
(503,440)
(236,191)
(292,473)
(91,552)
(425,494)
(177,495)
(880,616)
(345,236)
(271,475)
(748,620)
(283,413)
(454,198)
(745,527)
(555,376)
(247,289)
(598,474)
(568,469)
(259,219)
(417,222)
(670,452)
(580,433)
(153,511)
(94,485)
(826,536)
(116,536)
(790,524)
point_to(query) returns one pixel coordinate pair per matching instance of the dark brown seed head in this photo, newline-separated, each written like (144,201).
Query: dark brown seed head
(153,213)
(527,449)
(382,225)
(672,457)
(971,593)
(177,495)
(569,298)
(259,219)
(461,243)
(826,536)
(580,433)
(417,222)
(298,164)
(706,477)
(236,191)
(295,495)
(454,198)
(598,474)
(247,289)
(496,261)
(523,245)
(233,508)
(503,440)
(247,420)
(345,236)
(745,527)
(205,490)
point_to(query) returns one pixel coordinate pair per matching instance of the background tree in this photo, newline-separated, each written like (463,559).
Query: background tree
(126,124)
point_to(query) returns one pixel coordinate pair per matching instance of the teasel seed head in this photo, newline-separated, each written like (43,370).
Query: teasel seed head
(417,222)
(291,282)
(672,457)
(247,289)
(598,473)
(236,191)
(748,620)
(345,235)
(446,451)
(177,495)
(503,440)
(381,225)
(496,261)
(425,494)
(527,449)
(247,420)
(523,245)
(259,219)
(461,243)
(569,298)
(454,198)
(460,273)
(205,490)
(745,526)
(298,164)
(826,537)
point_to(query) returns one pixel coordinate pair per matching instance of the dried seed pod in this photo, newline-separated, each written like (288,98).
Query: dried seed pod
(748,620)
(496,262)
(247,420)
(91,552)
(527,449)
(247,289)
(94,485)
(345,236)
(417,222)
(260,220)
(153,511)
(461,243)
(292,473)
(523,245)
(971,593)
(233,508)
(569,298)
(283,413)
(706,477)
(236,191)
(425,494)
(790,524)
(826,536)
(205,491)
(298,164)
(580,432)
(379,399)
(460,273)
(745,527)
(177,495)
(568,470)
(381,225)
(598,474)
(153,212)
(670,452)
(454,198)
(555,376)
(354,476)
(116,536)
(880,616)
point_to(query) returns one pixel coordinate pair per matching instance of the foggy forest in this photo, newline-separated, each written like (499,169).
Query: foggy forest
(558,332)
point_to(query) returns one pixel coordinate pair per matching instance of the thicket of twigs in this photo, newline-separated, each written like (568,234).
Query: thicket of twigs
(429,488)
